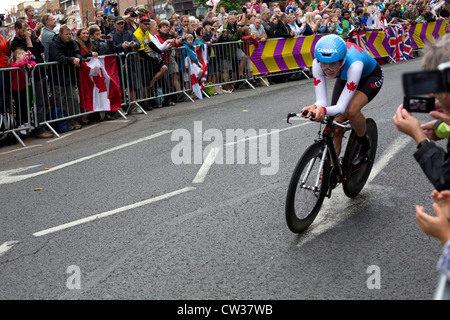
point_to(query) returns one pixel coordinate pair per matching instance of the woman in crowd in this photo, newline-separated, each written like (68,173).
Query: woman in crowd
(159,69)
(5,52)
(84,43)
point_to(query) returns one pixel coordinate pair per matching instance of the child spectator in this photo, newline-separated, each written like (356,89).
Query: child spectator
(19,84)
(248,37)
(191,48)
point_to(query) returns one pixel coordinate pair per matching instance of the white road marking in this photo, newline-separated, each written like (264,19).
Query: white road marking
(201,174)
(112,212)
(336,209)
(6,246)
(22,148)
(6,176)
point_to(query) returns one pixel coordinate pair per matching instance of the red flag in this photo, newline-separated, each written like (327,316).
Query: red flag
(100,85)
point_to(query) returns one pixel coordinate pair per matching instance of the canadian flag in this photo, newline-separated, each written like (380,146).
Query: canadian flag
(198,81)
(100,84)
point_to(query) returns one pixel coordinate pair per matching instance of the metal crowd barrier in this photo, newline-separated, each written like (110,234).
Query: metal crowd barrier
(14,104)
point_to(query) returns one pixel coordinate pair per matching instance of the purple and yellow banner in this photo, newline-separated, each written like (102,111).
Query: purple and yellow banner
(281,54)
(421,33)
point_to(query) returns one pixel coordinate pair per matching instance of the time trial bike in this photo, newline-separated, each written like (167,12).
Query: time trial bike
(320,170)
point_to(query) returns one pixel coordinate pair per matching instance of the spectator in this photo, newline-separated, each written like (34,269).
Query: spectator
(49,23)
(167,31)
(267,24)
(410,15)
(64,76)
(27,42)
(259,30)
(168,8)
(291,7)
(429,16)
(20,88)
(438,226)
(357,20)
(333,25)
(395,15)
(130,17)
(233,56)
(253,7)
(82,39)
(5,52)
(283,29)
(321,24)
(248,38)
(191,47)
(158,66)
(222,14)
(183,27)
(434,160)
(421,16)
(100,43)
(346,23)
(101,20)
(292,24)
(444,12)
(309,18)
(84,43)
(35,27)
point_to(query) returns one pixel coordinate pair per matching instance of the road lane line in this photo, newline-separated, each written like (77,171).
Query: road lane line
(112,212)
(5,176)
(6,246)
(201,174)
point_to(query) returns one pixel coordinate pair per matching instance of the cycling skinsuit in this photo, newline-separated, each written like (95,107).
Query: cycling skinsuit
(360,72)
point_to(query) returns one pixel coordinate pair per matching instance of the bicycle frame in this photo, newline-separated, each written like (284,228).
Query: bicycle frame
(326,138)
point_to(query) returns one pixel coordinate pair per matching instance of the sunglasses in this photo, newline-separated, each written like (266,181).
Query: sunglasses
(333,66)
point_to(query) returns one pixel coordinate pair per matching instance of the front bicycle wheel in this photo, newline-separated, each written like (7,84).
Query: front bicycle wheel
(358,175)
(307,189)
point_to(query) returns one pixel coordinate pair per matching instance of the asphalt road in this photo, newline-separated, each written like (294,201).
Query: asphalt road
(117,216)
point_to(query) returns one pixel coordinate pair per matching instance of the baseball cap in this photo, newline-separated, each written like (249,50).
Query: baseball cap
(144,19)
(118,19)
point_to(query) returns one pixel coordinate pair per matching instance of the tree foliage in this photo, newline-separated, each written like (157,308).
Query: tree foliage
(228,4)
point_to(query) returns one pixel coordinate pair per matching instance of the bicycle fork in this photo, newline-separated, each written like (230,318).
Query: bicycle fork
(319,178)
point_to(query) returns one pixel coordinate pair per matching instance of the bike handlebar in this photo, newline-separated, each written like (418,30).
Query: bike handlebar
(326,119)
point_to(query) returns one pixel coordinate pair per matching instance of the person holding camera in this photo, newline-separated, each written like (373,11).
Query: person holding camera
(434,160)
(130,19)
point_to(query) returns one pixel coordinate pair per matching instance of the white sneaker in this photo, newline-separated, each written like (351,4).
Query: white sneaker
(23,132)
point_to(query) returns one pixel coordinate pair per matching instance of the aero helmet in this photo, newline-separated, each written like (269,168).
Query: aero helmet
(330,48)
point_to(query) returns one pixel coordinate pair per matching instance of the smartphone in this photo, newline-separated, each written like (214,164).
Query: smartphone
(423,82)
(419,104)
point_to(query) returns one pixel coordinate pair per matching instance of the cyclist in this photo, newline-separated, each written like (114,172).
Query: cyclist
(359,79)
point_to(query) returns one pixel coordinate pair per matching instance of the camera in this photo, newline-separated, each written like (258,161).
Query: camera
(129,43)
(213,29)
(133,14)
(429,81)
(418,104)
(113,4)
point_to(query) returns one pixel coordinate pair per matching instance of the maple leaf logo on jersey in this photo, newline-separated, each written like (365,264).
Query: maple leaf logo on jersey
(350,45)
(373,85)
(351,86)
(316,81)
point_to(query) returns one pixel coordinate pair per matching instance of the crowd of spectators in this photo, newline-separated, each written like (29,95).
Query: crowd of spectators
(161,45)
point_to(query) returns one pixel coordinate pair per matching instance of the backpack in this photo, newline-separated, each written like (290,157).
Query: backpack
(7,122)
(58,126)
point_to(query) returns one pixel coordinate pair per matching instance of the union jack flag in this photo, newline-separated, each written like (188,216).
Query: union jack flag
(29,55)
(359,37)
(395,34)
(407,48)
